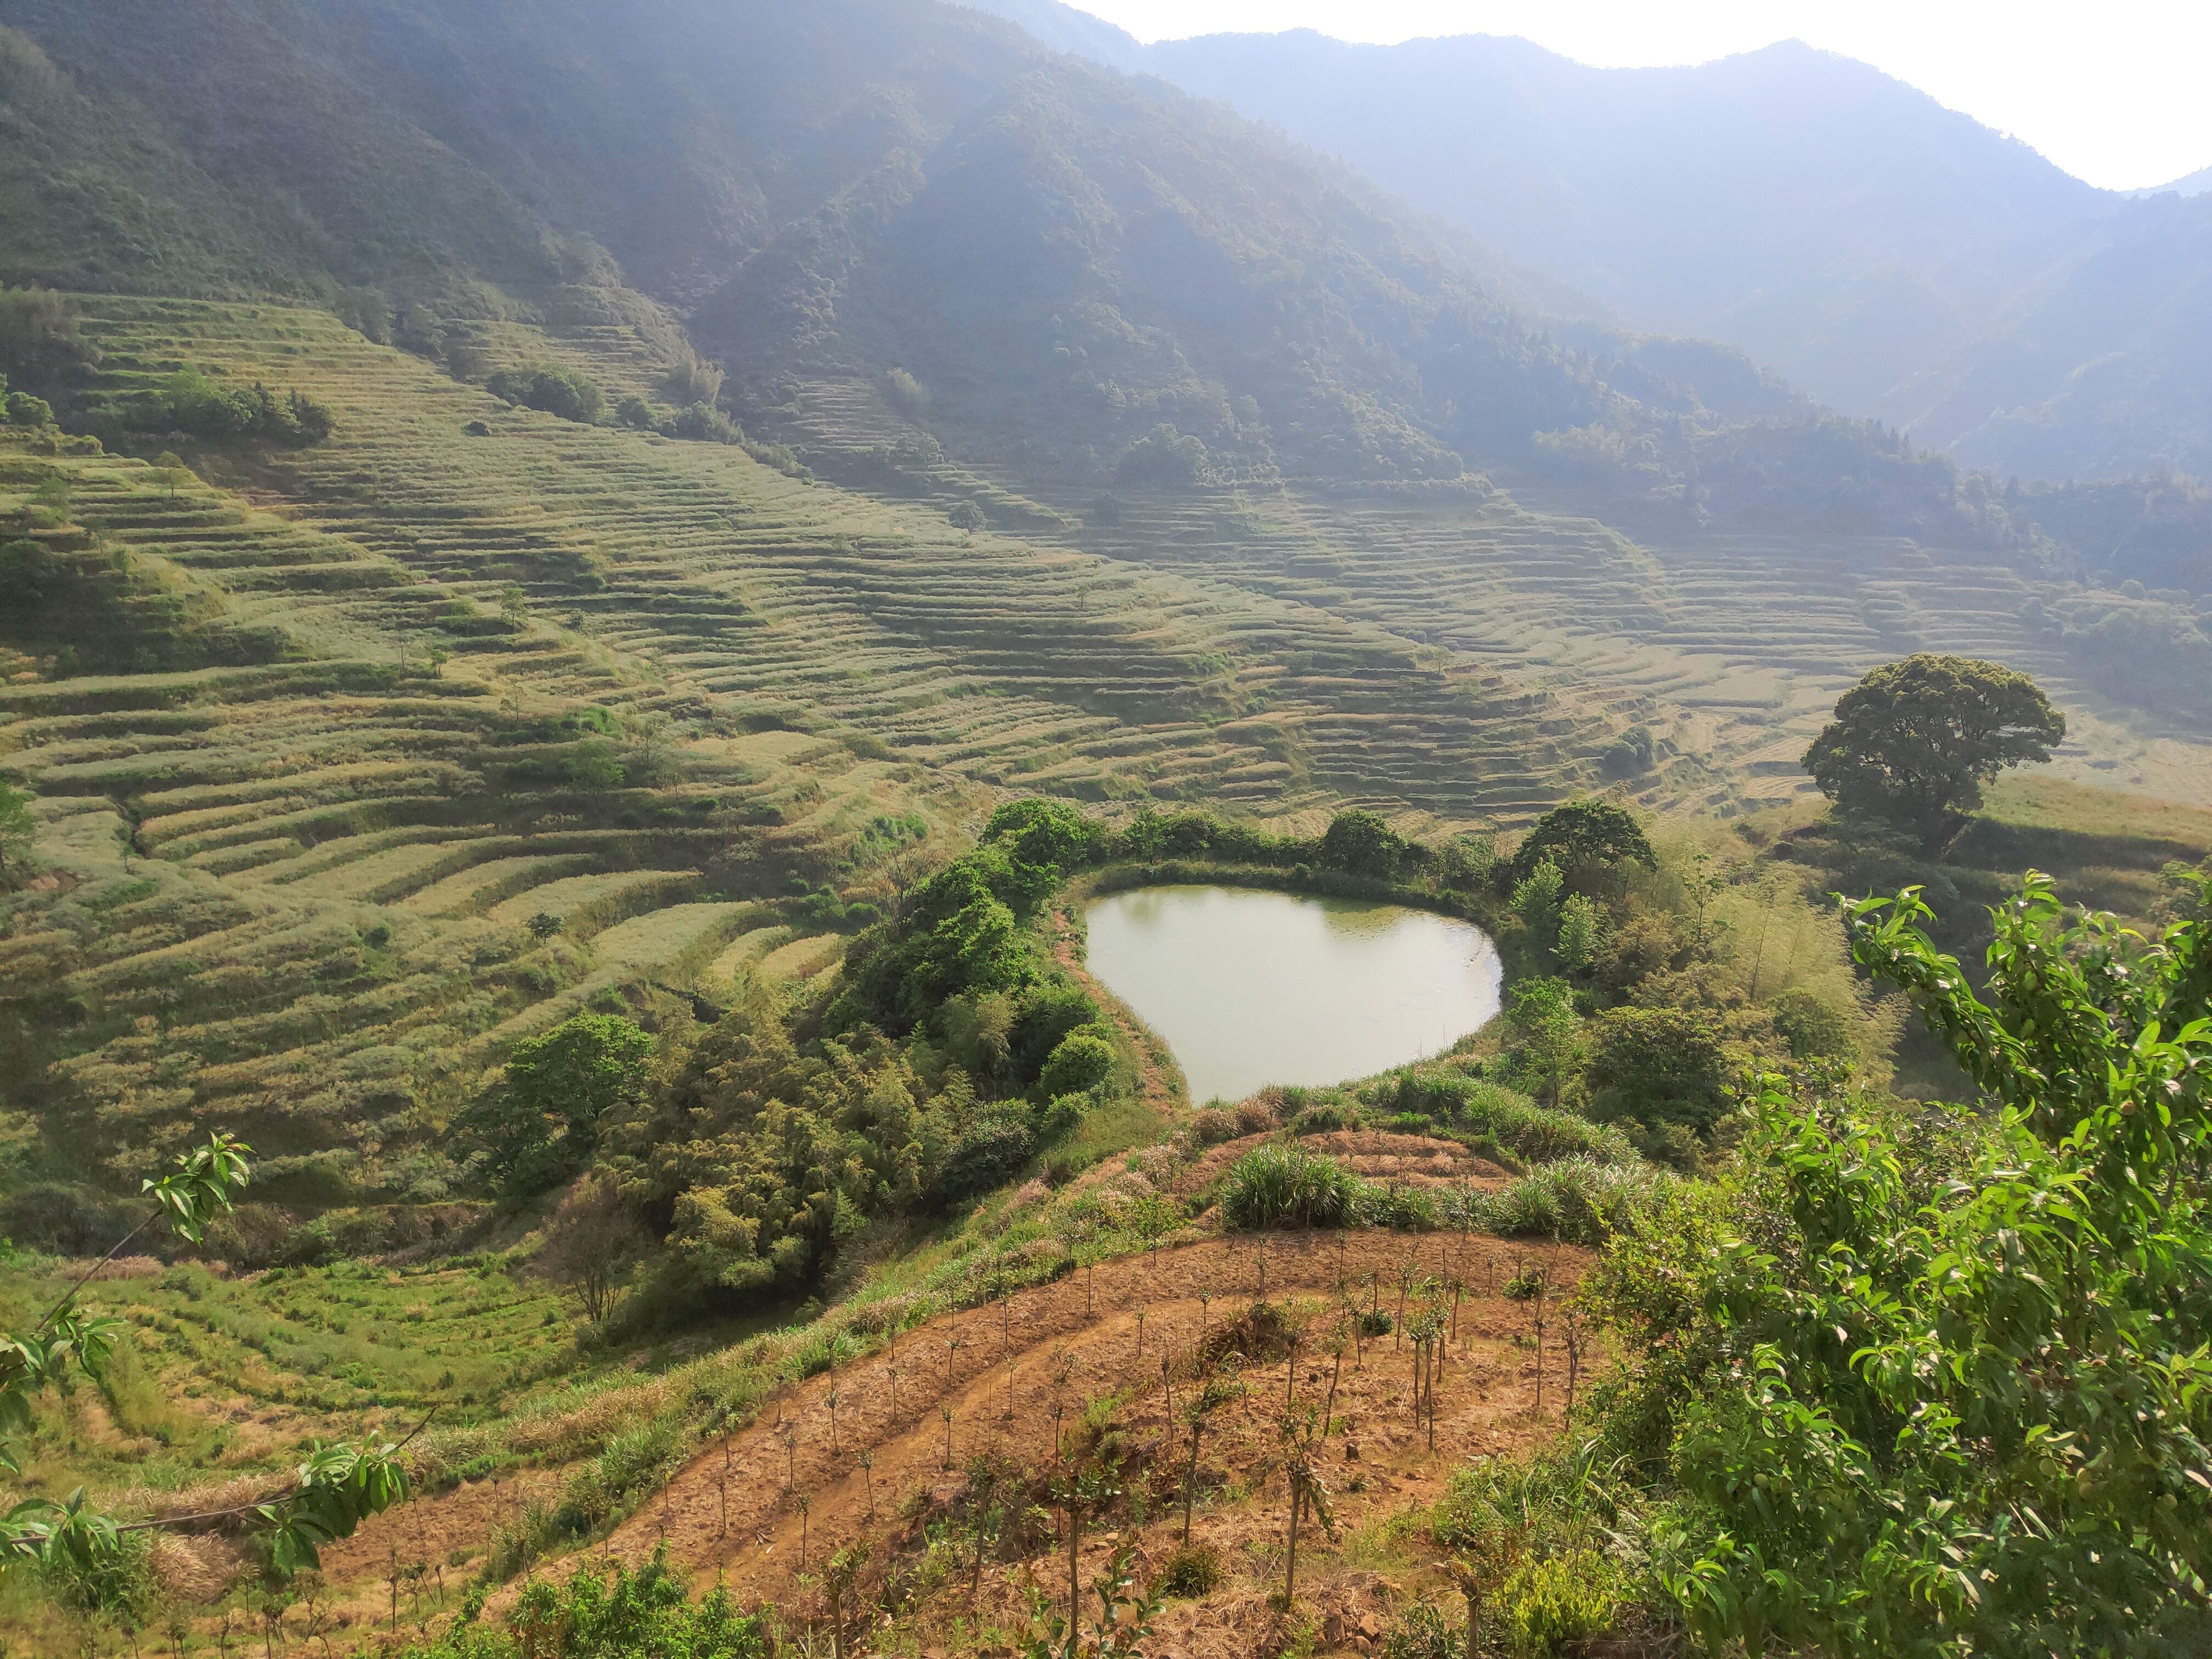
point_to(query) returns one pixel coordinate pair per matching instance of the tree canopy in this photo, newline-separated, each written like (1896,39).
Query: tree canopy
(1913,743)
(1938,1381)
(544,1124)
(1584,839)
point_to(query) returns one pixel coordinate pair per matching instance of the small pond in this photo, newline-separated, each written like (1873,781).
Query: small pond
(1251,987)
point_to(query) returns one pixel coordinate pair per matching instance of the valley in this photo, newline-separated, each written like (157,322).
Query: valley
(604,610)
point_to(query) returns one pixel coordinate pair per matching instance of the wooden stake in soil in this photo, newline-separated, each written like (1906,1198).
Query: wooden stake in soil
(868,1472)
(1140,1332)
(831,1401)
(806,1505)
(945,1412)
(1570,1320)
(1436,1352)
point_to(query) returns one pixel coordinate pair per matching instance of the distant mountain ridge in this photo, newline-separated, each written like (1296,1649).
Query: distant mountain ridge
(2189,184)
(1889,256)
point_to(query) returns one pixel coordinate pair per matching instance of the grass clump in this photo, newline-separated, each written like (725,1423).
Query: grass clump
(1579,1201)
(1194,1569)
(1532,1134)
(1422,1632)
(1555,1605)
(1288,1186)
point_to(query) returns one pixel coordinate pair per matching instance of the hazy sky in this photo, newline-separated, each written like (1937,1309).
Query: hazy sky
(2112,90)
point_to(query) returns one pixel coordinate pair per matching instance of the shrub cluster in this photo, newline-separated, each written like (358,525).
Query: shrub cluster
(191,403)
(555,390)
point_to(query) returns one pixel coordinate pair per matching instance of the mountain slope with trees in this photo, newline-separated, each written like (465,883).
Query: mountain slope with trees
(1894,258)
(1081,275)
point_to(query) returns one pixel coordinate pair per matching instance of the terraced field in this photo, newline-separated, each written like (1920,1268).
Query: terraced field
(991,1378)
(1729,647)
(398,747)
(298,896)
(990,657)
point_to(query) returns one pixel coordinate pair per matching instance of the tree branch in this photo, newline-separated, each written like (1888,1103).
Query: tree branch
(92,1273)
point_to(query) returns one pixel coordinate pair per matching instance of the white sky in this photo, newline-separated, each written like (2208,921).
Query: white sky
(2114,91)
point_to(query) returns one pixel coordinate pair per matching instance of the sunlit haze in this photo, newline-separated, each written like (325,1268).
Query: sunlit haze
(2112,93)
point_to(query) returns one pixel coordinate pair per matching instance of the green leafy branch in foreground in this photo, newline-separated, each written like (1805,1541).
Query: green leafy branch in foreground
(1940,1382)
(337,1488)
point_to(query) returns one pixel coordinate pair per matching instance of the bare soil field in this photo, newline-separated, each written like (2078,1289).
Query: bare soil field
(867,1453)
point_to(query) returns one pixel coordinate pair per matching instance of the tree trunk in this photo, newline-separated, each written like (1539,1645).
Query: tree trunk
(1291,1556)
(1074,1545)
(1190,1484)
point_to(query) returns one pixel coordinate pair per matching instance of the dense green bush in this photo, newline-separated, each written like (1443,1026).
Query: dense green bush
(40,346)
(1082,1062)
(702,422)
(541,1123)
(1165,459)
(1659,1066)
(987,1153)
(1361,843)
(1936,1382)
(589,1615)
(547,386)
(190,402)
(1587,840)
(959,932)
(1531,1132)
(1277,1186)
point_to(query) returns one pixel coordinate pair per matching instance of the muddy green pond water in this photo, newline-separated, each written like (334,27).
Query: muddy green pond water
(1251,987)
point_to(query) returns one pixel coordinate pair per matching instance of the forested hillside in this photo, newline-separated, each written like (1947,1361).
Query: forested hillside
(1892,257)
(1064,265)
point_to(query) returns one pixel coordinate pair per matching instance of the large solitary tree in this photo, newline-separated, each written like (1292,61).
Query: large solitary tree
(542,1124)
(1913,743)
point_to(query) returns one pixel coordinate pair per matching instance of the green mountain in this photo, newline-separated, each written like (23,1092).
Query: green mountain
(1892,257)
(1064,262)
